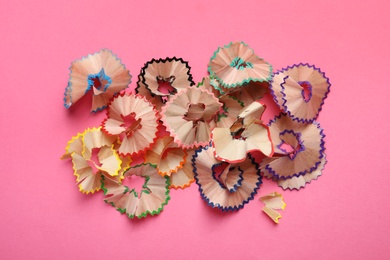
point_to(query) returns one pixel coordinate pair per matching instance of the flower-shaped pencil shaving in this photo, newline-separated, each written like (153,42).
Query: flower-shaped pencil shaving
(223,185)
(134,120)
(189,115)
(245,135)
(98,158)
(166,77)
(300,147)
(185,175)
(167,155)
(300,90)
(236,64)
(150,200)
(102,73)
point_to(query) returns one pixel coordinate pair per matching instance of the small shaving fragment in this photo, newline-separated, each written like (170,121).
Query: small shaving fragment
(273,201)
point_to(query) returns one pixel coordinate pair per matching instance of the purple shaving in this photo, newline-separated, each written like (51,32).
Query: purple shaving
(285,108)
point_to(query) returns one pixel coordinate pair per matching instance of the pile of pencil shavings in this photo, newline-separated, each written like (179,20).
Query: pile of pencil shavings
(172,132)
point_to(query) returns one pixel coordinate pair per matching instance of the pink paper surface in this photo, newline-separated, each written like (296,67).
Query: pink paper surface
(343,215)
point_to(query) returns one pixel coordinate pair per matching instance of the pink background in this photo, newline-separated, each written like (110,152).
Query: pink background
(343,215)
